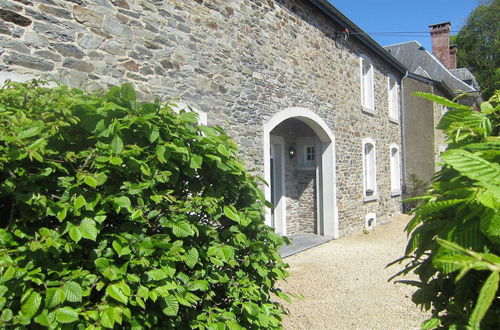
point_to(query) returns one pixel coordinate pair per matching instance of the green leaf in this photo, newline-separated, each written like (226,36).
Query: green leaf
(232,213)
(66,315)
(251,308)
(30,303)
(6,315)
(30,132)
(486,296)
(157,274)
(116,144)
(182,229)
(61,215)
(171,306)
(434,207)
(223,150)
(90,181)
(115,292)
(490,226)
(79,202)
(440,100)
(106,268)
(145,169)
(73,291)
(115,160)
(155,133)
(196,161)
(122,202)
(128,92)
(191,257)
(136,214)
(108,318)
(472,166)
(88,229)
(75,234)
(431,324)
(120,249)
(45,319)
(54,297)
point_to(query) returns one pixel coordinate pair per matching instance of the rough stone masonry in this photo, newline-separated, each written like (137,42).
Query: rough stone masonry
(240,61)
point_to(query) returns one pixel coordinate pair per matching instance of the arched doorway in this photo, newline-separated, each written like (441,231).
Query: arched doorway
(301,186)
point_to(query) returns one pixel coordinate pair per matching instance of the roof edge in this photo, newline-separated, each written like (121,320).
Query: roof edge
(332,12)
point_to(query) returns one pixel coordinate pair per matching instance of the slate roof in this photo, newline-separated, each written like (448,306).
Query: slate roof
(419,61)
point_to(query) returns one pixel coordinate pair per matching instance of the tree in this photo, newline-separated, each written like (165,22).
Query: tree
(454,245)
(478,43)
(120,214)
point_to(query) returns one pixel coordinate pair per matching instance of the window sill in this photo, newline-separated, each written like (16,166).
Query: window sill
(306,168)
(394,120)
(395,193)
(368,110)
(370,198)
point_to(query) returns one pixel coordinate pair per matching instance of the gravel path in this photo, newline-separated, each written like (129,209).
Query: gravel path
(344,283)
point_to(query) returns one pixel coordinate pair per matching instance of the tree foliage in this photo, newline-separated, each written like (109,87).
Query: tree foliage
(454,243)
(121,214)
(478,43)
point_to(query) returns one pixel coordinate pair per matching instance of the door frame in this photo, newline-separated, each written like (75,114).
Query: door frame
(328,222)
(280,201)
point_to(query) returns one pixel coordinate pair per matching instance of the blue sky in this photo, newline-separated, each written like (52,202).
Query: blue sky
(405,16)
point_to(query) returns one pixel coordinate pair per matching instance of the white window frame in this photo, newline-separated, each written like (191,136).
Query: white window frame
(393,98)
(309,162)
(369,170)
(395,160)
(367,84)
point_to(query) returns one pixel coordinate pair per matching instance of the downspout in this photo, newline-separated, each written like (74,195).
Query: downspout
(402,126)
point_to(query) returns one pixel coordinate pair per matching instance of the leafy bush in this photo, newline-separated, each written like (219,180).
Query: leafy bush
(455,234)
(117,213)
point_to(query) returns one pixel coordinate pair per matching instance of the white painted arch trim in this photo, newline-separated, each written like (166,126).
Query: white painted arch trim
(330,224)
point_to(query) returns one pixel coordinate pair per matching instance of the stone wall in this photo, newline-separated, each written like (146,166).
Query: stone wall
(241,61)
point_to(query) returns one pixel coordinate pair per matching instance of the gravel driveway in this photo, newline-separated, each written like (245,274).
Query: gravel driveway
(344,283)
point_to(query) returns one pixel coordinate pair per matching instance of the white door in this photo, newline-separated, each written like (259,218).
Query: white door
(277,183)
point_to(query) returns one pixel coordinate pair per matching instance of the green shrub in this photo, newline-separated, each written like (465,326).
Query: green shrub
(455,233)
(117,213)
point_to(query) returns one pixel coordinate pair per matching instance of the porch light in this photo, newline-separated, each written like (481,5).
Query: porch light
(292,152)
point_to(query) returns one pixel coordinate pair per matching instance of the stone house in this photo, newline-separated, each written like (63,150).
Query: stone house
(313,103)
(435,73)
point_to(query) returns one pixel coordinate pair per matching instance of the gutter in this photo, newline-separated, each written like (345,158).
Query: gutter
(402,127)
(366,40)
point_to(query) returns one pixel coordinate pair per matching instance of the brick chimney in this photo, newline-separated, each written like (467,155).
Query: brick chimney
(440,34)
(453,57)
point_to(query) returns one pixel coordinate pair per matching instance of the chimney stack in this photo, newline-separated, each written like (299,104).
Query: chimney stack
(440,34)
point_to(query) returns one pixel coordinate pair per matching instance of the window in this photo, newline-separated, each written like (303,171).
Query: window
(309,153)
(395,171)
(393,100)
(309,156)
(369,170)
(367,91)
